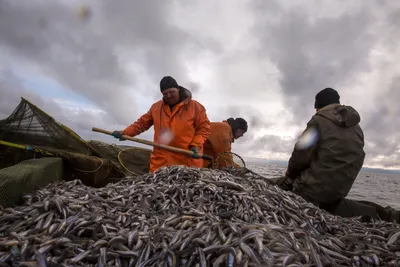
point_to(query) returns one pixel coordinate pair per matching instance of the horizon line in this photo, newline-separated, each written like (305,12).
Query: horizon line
(284,162)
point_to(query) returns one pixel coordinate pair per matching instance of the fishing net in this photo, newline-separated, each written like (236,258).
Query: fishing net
(31,175)
(228,159)
(93,171)
(109,151)
(136,160)
(10,156)
(132,160)
(28,124)
(29,132)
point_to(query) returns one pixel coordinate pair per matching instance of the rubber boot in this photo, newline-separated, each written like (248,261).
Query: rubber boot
(392,214)
(388,213)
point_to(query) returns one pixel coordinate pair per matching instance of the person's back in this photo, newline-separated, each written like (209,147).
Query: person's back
(338,157)
(327,159)
(220,140)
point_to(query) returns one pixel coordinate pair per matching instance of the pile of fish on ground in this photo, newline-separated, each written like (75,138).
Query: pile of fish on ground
(182,216)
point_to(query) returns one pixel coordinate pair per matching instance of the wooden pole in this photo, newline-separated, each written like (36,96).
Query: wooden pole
(165,147)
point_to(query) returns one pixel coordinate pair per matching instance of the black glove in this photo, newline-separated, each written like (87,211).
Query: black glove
(196,152)
(286,183)
(118,135)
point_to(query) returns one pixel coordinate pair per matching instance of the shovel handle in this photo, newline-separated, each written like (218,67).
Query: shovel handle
(165,147)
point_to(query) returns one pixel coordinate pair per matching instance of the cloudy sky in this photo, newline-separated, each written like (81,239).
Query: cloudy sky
(260,60)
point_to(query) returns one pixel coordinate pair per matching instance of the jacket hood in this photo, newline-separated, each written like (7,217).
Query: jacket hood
(345,116)
(232,123)
(184,93)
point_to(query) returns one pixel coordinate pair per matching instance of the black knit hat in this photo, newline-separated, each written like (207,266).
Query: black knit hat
(326,97)
(238,123)
(241,124)
(168,82)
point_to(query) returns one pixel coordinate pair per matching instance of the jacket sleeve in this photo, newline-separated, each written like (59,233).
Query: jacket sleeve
(302,154)
(141,125)
(203,127)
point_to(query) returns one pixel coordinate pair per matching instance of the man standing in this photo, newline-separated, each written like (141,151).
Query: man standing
(177,116)
(223,134)
(327,159)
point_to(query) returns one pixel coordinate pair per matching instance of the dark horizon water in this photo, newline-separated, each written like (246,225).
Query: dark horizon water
(381,188)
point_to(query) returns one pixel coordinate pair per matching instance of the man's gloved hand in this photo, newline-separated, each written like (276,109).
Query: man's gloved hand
(286,183)
(118,135)
(196,152)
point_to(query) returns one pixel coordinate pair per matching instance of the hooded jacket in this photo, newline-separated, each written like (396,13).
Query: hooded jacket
(186,123)
(325,170)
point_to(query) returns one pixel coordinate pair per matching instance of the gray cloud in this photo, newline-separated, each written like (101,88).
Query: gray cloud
(269,144)
(80,121)
(256,119)
(381,127)
(11,92)
(312,54)
(289,53)
(54,38)
(90,56)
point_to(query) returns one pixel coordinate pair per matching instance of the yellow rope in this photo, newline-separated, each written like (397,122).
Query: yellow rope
(44,152)
(95,170)
(122,164)
(25,147)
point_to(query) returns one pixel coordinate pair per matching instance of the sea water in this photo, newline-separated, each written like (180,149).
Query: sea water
(381,188)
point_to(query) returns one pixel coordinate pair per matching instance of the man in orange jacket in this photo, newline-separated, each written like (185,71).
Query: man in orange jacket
(223,134)
(178,116)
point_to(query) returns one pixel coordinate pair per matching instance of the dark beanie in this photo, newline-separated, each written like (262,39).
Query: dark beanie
(326,97)
(241,124)
(168,82)
(237,123)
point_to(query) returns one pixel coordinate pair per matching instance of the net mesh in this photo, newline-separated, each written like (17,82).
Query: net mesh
(28,124)
(132,160)
(136,160)
(26,177)
(29,132)
(228,159)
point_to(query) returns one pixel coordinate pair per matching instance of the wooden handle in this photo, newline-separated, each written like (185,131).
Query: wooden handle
(165,147)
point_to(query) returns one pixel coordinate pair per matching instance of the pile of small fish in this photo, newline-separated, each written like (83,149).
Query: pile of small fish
(181,216)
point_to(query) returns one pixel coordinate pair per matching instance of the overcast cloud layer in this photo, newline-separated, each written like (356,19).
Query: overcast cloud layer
(261,60)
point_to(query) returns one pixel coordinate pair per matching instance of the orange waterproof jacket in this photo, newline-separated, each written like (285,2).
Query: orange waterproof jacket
(220,140)
(188,123)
